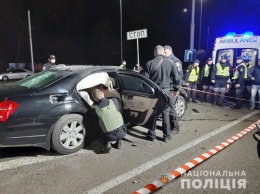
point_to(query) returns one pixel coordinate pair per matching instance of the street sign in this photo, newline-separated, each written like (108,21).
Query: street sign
(137,34)
(190,55)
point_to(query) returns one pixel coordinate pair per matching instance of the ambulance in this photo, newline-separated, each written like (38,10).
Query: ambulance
(233,45)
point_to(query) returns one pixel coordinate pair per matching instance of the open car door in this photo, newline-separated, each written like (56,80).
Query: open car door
(142,100)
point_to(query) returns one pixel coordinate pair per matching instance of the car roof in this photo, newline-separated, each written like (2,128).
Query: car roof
(85,68)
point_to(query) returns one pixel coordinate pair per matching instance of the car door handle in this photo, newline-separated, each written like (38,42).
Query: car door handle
(129,97)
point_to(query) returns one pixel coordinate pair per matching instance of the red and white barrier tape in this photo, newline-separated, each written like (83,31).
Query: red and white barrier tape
(151,187)
(217,94)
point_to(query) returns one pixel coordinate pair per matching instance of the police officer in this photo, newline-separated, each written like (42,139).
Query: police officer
(169,54)
(239,76)
(205,77)
(123,64)
(162,71)
(110,120)
(192,78)
(174,123)
(219,77)
(51,62)
(248,81)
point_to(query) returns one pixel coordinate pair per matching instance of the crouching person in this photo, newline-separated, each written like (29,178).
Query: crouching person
(109,119)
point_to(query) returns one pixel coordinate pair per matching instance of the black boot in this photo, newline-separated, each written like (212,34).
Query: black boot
(117,145)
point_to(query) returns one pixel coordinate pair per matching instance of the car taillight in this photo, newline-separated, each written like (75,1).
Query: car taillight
(7,107)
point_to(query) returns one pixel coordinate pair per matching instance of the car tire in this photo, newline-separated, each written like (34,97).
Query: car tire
(5,78)
(180,106)
(68,134)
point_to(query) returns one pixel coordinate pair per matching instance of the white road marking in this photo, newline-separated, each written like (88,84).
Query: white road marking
(142,168)
(32,160)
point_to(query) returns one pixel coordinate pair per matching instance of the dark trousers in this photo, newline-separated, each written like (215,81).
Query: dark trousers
(114,135)
(165,122)
(174,123)
(192,93)
(239,96)
(220,88)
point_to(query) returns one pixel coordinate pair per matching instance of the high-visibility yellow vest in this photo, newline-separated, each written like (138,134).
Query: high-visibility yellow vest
(222,71)
(194,74)
(109,117)
(206,71)
(236,74)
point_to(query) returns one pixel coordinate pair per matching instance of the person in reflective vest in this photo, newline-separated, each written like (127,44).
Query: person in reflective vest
(191,78)
(109,119)
(205,77)
(239,76)
(219,77)
(123,64)
(248,81)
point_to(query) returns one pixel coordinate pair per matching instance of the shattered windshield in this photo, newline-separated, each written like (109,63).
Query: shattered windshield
(42,79)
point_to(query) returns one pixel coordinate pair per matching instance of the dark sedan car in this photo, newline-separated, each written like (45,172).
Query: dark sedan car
(52,108)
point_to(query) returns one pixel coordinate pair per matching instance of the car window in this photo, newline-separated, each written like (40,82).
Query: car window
(136,84)
(42,79)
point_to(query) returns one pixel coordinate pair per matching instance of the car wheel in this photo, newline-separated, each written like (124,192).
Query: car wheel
(180,106)
(5,78)
(68,134)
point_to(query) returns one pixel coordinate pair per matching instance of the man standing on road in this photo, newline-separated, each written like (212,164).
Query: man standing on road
(239,76)
(248,80)
(123,64)
(192,78)
(219,77)
(174,123)
(109,119)
(162,72)
(207,85)
(255,86)
(51,62)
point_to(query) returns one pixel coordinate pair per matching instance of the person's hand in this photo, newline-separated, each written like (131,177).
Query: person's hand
(174,93)
(187,84)
(237,85)
(253,78)
(213,81)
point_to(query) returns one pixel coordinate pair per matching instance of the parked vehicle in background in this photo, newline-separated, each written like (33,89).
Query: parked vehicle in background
(15,74)
(234,45)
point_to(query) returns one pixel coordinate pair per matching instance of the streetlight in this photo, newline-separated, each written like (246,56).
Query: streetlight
(121,42)
(192,26)
(200,21)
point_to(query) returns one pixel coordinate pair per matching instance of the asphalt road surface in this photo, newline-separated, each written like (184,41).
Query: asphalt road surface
(140,162)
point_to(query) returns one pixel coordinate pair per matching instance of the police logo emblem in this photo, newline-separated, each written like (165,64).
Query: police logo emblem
(164,179)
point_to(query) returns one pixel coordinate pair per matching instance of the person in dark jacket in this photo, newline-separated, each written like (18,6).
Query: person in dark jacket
(239,78)
(162,71)
(248,80)
(192,78)
(219,77)
(205,80)
(175,127)
(109,119)
(255,86)
(169,54)
(51,62)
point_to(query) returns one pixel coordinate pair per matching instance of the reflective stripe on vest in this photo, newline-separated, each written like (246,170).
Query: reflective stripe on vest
(194,74)
(109,117)
(221,71)
(236,74)
(206,71)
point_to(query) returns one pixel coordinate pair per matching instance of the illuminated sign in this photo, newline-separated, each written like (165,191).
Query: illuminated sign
(137,34)
(238,40)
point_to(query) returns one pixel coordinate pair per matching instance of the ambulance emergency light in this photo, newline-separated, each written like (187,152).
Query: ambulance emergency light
(244,35)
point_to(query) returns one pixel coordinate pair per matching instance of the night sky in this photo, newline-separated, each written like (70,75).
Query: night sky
(88,32)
